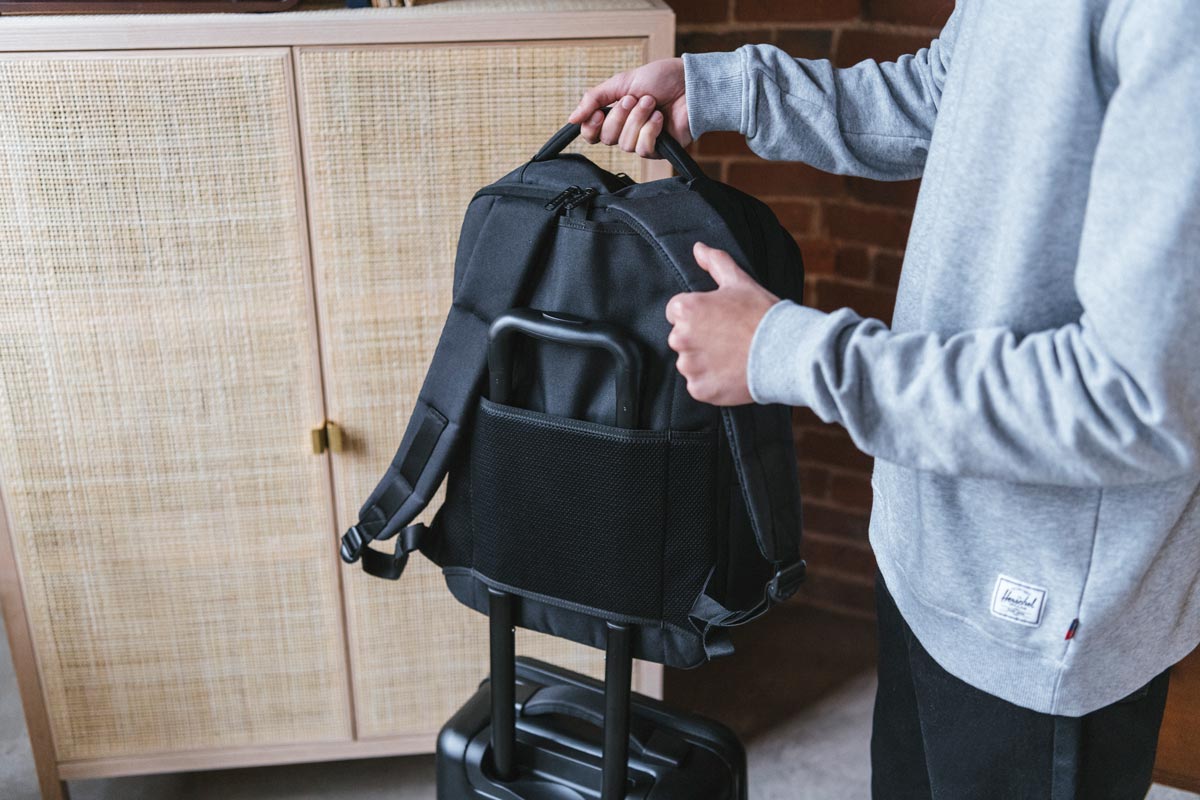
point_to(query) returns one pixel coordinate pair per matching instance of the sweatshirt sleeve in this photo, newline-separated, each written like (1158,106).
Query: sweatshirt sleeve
(1113,398)
(872,120)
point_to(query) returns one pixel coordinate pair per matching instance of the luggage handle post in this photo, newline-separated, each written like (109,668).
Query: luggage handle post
(618,668)
(618,699)
(503,682)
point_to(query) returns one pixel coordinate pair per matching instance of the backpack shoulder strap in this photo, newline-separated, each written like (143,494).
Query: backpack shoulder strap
(760,437)
(498,250)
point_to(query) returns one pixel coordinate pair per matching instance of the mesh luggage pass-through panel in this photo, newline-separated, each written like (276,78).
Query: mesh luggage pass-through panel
(582,512)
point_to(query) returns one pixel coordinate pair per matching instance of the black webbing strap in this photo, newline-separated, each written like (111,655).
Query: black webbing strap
(356,544)
(498,250)
(713,620)
(431,426)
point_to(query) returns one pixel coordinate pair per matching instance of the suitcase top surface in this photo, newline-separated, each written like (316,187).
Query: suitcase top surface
(672,754)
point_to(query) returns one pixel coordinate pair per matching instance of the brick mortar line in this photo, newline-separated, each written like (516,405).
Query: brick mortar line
(839,473)
(841,199)
(833,608)
(830,538)
(831,504)
(847,577)
(851,283)
(858,475)
(834,470)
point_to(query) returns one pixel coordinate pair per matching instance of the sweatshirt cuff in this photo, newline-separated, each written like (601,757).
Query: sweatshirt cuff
(714,83)
(782,354)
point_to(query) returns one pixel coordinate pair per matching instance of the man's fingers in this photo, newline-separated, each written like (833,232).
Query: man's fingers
(717,263)
(648,136)
(590,129)
(677,307)
(692,363)
(680,337)
(639,115)
(600,96)
(614,121)
(701,389)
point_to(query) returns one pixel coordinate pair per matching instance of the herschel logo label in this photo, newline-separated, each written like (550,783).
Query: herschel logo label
(1018,602)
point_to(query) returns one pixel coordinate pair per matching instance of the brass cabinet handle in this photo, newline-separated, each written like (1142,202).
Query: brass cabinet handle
(328,437)
(335,437)
(320,440)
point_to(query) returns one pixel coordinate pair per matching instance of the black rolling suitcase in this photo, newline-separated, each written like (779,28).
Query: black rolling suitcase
(546,741)
(533,732)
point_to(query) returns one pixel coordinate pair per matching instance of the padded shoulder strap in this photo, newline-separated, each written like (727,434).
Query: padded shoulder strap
(492,270)
(760,437)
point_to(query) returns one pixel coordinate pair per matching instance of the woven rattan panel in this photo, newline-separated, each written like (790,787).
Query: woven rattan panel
(429,8)
(397,139)
(424,9)
(157,384)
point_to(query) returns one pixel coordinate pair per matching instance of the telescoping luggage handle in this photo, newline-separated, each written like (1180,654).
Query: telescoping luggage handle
(666,146)
(618,669)
(571,330)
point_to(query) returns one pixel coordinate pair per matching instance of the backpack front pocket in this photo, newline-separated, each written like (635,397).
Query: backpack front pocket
(615,521)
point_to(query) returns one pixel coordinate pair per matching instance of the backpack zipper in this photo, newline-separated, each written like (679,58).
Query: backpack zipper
(562,198)
(534,192)
(579,198)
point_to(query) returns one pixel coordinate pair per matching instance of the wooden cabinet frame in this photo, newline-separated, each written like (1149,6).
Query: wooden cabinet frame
(210,33)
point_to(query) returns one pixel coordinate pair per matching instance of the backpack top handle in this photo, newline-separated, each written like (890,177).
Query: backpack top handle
(666,147)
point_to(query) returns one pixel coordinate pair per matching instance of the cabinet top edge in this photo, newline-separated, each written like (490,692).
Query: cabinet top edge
(58,33)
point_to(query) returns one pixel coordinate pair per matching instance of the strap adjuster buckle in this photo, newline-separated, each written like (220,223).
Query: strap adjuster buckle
(354,542)
(787,581)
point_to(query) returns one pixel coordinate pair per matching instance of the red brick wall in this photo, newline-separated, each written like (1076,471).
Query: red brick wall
(852,232)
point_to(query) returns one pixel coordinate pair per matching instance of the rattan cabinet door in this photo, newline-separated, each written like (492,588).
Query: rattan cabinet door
(158,382)
(397,139)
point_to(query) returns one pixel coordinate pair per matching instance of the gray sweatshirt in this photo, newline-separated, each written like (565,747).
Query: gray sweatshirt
(1034,408)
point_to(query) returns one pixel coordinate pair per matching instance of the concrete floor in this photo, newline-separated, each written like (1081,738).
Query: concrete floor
(818,751)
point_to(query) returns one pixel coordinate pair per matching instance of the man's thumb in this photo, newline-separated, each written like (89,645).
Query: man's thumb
(717,263)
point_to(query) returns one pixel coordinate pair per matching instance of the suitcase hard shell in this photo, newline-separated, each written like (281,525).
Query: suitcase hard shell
(558,755)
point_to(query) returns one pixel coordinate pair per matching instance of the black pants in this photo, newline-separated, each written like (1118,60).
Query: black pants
(937,737)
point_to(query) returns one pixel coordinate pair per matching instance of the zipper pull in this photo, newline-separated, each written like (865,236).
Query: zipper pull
(562,197)
(581,196)
(625,179)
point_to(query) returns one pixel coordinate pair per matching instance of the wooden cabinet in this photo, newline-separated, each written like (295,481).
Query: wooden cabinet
(158,378)
(219,232)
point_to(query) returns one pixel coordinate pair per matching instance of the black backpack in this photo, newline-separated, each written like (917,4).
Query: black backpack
(678,523)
